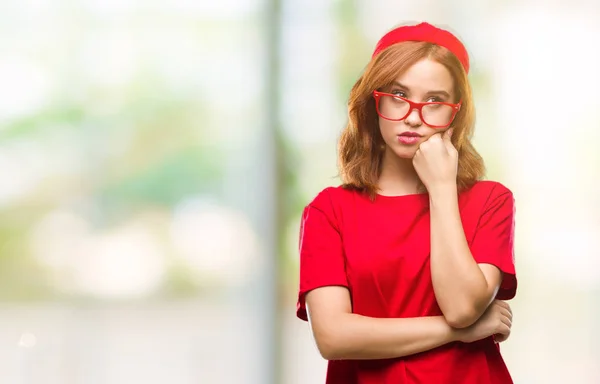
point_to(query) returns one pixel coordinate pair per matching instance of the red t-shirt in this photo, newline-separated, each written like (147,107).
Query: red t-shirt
(380,251)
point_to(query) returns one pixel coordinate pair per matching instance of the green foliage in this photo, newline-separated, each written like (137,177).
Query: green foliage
(145,150)
(21,278)
(167,180)
(354,49)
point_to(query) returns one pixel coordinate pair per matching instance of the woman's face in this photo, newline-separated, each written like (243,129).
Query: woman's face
(425,81)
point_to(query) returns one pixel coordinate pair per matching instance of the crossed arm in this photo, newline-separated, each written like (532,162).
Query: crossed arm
(341,334)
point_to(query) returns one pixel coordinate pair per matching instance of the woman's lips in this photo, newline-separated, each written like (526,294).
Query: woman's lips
(409,138)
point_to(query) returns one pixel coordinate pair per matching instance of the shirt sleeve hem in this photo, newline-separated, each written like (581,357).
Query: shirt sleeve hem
(301,304)
(508,286)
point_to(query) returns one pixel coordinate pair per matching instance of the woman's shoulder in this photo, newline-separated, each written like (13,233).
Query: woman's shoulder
(486,196)
(333,197)
(486,189)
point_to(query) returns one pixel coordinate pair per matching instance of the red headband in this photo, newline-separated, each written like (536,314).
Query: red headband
(425,32)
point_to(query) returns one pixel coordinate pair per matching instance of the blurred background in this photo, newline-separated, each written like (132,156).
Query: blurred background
(155,157)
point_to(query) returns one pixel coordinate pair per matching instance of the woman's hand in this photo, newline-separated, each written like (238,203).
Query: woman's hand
(496,321)
(436,162)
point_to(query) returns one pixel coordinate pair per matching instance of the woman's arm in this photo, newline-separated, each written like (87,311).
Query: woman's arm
(463,288)
(340,334)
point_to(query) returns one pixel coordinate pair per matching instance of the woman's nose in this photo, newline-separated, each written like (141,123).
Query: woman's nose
(414,118)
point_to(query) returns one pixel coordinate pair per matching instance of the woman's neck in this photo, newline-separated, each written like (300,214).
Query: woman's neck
(398,176)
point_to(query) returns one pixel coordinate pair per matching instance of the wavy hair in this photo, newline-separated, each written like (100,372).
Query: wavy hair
(359,152)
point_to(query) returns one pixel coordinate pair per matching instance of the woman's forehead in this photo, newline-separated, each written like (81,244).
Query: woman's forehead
(426,75)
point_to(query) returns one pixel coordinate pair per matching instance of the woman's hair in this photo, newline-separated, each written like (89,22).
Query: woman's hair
(360,146)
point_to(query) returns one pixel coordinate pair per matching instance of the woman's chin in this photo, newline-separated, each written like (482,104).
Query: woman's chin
(404,153)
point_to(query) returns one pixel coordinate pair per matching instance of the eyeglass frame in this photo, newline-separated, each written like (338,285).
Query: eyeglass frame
(418,106)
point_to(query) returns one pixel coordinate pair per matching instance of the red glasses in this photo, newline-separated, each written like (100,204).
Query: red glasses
(434,114)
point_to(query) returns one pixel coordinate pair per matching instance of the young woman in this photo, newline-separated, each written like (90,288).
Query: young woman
(403,266)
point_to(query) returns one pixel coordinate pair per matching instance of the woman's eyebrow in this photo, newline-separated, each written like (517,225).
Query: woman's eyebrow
(439,93)
(434,92)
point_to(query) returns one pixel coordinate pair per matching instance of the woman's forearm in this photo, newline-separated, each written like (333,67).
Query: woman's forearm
(355,337)
(460,286)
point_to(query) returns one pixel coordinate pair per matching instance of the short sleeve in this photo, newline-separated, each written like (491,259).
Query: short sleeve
(322,261)
(493,242)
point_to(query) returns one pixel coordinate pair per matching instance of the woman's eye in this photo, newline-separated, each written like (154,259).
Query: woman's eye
(399,93)
(434,99)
